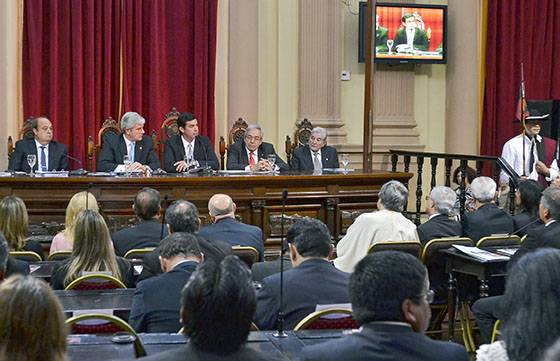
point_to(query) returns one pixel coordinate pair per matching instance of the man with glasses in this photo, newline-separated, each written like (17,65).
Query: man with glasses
(316,154)
(251,153)
(390,298)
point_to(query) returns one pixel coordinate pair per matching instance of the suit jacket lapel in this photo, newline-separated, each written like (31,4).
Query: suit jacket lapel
(50,161)
(307,158)
(122,149)
(138,151)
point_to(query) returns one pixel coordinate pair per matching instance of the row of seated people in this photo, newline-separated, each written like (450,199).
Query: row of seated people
(180,152)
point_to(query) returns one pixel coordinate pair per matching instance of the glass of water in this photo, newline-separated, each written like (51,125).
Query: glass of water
(390,45)
(31,160)
(271,159)
(345,160)
(127,162)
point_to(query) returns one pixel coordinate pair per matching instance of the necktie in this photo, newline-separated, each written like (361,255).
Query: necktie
(316,161)
(252,159)
(43,159)
(189,152)
(131,152)
(532,156)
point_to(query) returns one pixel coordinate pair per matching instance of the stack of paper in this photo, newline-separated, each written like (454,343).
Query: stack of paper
(480,254)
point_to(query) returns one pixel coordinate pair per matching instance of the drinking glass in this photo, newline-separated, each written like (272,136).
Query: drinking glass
(271,159)
(127,162)
(345,160)
(390,45)
(31,160)
(189,162)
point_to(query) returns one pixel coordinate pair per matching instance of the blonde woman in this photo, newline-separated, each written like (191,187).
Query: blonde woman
(31,322)
(92,252)
(14,224)
(64,240)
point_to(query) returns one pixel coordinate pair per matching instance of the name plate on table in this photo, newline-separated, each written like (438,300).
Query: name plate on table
(52,174)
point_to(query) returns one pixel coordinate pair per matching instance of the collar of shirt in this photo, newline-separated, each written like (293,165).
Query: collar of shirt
(528,140)
(128,142)
(549,222)
(433,215)
(256,152)
(313,153)
(186,144)
(39,145)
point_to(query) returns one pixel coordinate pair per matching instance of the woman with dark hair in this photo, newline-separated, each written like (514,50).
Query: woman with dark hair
(532,299)
(527,199)
(470,174)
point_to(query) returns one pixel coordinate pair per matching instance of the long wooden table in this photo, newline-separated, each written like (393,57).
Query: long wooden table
(336,199)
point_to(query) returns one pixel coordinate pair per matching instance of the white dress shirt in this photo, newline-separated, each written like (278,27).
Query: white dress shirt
(513,154)
(120,168)
(318,156)
(186,146)
(38,162)
(255,156)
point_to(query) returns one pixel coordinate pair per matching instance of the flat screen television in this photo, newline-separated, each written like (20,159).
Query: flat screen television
(406,33)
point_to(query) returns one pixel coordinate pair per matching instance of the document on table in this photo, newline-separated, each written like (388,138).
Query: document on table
(480,254)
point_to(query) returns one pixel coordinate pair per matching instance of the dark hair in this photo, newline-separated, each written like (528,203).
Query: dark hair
(184,118)
(532,298)
(530,192)
(469,172)
(179,244)
(551,200)
(382,281)
(311,238)
(147,203)
(182,216)
(4,252)
(406,16)
(219,303)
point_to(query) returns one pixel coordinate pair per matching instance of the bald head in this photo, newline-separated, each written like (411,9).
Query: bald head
(221,206)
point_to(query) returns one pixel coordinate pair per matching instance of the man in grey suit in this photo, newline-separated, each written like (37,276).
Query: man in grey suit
(316,154)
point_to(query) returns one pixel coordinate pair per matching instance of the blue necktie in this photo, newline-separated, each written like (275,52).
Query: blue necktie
(43,159)
(131,152)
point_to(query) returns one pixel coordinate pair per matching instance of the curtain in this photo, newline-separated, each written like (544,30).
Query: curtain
(518,31)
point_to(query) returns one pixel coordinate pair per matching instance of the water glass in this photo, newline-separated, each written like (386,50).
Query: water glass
(127,162)
(31,160)
(345,160)
(271,159)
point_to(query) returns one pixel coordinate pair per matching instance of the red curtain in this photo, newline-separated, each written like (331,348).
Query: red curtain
(519,31)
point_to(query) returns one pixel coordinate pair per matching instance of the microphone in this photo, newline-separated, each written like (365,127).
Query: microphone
(280,331)
(80,171)
(525,226)
(163,217)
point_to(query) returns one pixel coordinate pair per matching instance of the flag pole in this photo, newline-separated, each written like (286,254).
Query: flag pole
(523,110)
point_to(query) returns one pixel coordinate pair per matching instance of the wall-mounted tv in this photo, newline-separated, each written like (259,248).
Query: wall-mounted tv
(406,33)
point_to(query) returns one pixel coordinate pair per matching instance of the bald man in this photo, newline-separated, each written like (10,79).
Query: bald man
(227,229)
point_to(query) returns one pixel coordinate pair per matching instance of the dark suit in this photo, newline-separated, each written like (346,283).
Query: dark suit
(485,221)
(144,234)
(523,219)
(420,42)
(61,268)
(175,151)
(235,233)
(157,300)
(261,270)
(302,160)
(16,267)
(34,246)
(438,227)
(538,237)
(315,281)
(114,150)
(237,156)
(188,352)
(385,342)
(57,156)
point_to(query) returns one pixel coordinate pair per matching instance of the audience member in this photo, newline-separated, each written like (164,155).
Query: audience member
(227,229)
(92,252)
(32,322)
(488,219)
(316,154)
(441,211)
(386,224)
(527,198)
(530,322)
(147,232)
(470,175)
(14,223)
(390,300)
(64,240)
(4,254)
(313,279)
(12,266)
(157,300)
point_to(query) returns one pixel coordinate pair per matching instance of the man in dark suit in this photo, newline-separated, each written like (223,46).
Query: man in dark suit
(441,210)
(313,280)
(251,153)
(227,229)
(411,34)
(50,155)
(316,154)
(188,145)
(261,270)
(488,219)
(157,300)
(148,231)
(132,143)
(390,301)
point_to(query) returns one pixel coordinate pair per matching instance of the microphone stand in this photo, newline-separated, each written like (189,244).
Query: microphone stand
(163,217)
(78,172)
(279,333)
(87,194)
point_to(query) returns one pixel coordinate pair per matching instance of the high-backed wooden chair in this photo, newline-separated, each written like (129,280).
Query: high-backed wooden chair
(499,241)
(26,132)
(236,133)
(168,129)
(109,127)
(247,254)
(95,282)
(412,247)
(301,137)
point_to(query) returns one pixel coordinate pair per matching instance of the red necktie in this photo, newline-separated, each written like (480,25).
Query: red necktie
(252,159)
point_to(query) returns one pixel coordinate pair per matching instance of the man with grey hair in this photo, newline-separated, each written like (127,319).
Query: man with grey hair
(488,219)
(133,144)
(441,211)
(385,225)
(251,153)
(227,229)
(316,154)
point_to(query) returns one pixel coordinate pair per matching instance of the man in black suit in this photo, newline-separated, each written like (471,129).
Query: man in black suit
(156,302)
(132,143)
(251,153)
(227,229)
(441,210)
(411,36)
(188,145)
(488,219)
(148,231)
(390,301)
(313,280)
(261,270)
(50,155)
(316,154)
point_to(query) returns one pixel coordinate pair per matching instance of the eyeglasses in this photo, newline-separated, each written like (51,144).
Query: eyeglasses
(250,138)
(430,296)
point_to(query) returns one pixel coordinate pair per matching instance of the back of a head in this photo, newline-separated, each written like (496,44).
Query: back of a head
(32,322)
(219,303)
(530,192)
(179,244)
(483,189)
(382,281)
(182,216)
(220,205)
(551,200)
(78,203)
(444,199)
(394,196)
(147,203)
(311,238)
(14,221)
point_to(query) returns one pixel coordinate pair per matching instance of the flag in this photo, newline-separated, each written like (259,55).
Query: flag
(521,102)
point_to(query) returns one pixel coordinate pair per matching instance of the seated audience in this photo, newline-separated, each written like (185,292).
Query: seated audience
(218,304)
(441,211)
(63,241)
(261,270)
(530,322)
(92,252)
(527,198)
(12,266)
(488,219)
(14,223)
(470,175)
(312,281)
(157,300)
(227,229)
(390,297)
(386,224)
(147,232)
(316,154)
(32,321)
